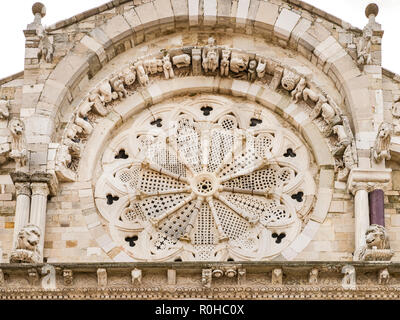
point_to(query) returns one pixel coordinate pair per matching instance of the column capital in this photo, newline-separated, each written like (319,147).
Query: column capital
(368,179)
(40,188)
(23,188)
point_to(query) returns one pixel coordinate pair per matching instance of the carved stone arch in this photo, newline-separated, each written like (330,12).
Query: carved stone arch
(106,41)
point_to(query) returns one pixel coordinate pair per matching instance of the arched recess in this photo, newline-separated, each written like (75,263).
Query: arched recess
(283,27)
(160,90)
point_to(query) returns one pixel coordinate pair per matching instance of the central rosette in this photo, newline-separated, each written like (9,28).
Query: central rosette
(204,184)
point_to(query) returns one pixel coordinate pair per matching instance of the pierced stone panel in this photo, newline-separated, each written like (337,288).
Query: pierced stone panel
(206,186)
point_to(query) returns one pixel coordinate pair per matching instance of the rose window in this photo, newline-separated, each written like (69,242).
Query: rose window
(232,183)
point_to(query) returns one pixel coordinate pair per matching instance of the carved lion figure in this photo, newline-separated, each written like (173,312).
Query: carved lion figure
(28,238)
(18,144)
(26,249)
(382,142)
(376,236)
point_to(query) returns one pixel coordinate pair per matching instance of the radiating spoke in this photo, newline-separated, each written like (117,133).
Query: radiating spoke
(155,221)
(222,235)
(155,167)
(182,159)
(251,218)
(190,226)
(143,195)
(245,191)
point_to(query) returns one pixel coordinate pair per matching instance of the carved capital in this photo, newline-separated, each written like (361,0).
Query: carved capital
(40,188)
(368,179)
(23,188)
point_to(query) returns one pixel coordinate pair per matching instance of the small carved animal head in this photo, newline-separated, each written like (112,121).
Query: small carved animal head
(28,238)
(376,236)
(17,127)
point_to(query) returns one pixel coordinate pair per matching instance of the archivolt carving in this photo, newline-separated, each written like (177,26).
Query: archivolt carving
(206,60)
(202,180)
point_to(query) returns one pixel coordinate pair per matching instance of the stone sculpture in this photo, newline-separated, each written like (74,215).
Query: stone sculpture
(210,56)
(167,67)
(26,248)
(381,148)
(224,66)
(18,143)
(4,112)
(377,247)
(182,60)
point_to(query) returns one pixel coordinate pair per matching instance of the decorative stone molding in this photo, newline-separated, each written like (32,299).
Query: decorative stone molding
(23,188)
(368,179)
(332,283)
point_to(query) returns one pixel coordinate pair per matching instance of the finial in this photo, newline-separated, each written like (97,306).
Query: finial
(372,8)
(39,8)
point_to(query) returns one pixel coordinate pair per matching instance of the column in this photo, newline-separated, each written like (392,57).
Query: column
(40,191)
(377,207)
(361,214)
(23,194)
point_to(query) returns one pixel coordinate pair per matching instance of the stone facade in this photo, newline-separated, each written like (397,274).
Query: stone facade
(303,164)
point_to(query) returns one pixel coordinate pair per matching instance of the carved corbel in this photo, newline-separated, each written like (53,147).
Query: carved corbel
(136,276)
(349,277)
(102,277)
(384,277)
(33,277)
(171,276)
(206,278)
(313,276)
(68,277)
(277,276)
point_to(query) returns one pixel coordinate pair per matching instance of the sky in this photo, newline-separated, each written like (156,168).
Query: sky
(15,16)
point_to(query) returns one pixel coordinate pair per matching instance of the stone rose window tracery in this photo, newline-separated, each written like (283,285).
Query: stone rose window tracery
(207,179)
